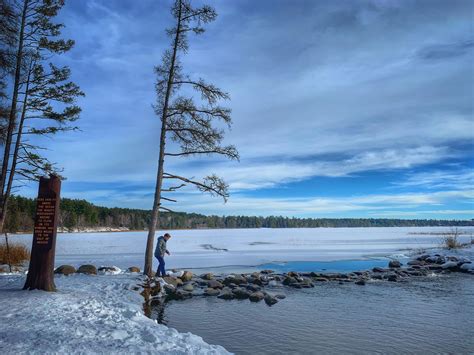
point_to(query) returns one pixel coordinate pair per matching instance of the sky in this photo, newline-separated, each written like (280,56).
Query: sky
(340,108)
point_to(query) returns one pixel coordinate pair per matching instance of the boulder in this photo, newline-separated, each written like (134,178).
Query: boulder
(214,284)
(467,267)
(451,266)
(180,295)
(109,270)
(280,296)
(378,269)
(240,293)
(293,274)
(235,279)
(289,280)
(207,276)
(133,269)
(267,271)
(87,269)
(392,278)
(394,264)
(256,296)
(253,288)
(65,270)
(360,282)
(320,279)
(188,287)
(270,300)
(257,281)
(211,292)
(226,295)
(175,282)
(187,276)
(416,262)
(436,259)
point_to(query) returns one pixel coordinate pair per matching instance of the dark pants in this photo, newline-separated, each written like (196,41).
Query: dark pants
(161,268)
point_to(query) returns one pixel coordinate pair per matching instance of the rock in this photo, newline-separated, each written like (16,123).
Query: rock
(187,276)
(188,287)
(416,262)
(435,267)
(293,274)
(377,276)
(360,282)
(109,270)
(87,269)
(392,278)
(235,279)
(214,284)
(133,269)
(211,292)
(169,289)
(226,295)
(181,295)
(267,271)
(270,300)
(64,270)
(378,269)
(208,276)
(467,267)
(240,293)
(436,259)
(394,264)
(256,281)
(289,280)
(273,283)
(253,288)
(280,296)
(175,282)
(320,279)
(256,296)
(451,266)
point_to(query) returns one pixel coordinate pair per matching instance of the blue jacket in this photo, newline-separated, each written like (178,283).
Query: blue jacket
(160,247)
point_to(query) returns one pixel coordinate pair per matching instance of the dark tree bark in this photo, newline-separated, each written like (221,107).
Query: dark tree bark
(41,269)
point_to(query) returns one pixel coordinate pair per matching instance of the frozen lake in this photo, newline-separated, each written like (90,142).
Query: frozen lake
(212,248)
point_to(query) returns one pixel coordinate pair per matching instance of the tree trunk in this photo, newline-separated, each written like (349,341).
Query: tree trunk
(11,120)
(41,270)
(148,269)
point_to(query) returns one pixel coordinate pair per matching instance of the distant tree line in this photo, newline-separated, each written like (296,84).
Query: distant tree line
(80,214)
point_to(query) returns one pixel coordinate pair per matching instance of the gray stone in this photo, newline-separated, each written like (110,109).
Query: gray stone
(188,287)
(394,264)
(226,295)
(214,284)
(270,300)
(133,269)
(207,276)
(256,296)
(211,292)
(187,276)
(360,282)
(65,270)
(240,293)
(87,269)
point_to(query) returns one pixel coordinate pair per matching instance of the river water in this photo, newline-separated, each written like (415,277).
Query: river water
(428,315)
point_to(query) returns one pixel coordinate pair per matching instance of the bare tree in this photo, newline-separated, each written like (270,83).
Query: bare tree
(190,124)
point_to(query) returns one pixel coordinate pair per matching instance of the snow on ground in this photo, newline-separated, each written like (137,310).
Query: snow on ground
(205,248)
(88,314)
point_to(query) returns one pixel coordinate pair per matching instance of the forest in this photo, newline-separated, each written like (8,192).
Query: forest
(81,214)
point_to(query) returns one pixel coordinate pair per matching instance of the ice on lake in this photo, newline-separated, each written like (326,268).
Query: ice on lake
(210,248)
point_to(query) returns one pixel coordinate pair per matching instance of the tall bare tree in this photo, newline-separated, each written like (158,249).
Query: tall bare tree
(191,125)
(42,97)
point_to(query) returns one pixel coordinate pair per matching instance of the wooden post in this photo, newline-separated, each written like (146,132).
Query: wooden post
(41,270)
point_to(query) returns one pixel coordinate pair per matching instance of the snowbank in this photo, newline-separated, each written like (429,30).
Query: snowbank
(88,314)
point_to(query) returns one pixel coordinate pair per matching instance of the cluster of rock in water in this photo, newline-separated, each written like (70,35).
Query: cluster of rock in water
(255,286)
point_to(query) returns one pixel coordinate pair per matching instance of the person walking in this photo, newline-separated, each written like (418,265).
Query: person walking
(160,252)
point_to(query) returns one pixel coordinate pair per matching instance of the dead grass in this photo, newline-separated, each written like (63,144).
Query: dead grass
(451,240)
(19,254)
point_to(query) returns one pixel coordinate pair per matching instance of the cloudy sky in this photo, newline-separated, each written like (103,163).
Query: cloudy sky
(340,108)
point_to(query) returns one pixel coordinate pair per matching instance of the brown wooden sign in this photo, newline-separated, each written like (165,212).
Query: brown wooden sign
(41,269)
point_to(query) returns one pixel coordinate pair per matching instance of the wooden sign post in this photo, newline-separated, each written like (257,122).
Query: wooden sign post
(41,270)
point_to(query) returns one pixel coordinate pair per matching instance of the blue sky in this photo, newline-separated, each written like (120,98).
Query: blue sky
(340,108)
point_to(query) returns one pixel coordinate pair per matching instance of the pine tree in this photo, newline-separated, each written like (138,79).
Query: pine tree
(190,124)
(42,97)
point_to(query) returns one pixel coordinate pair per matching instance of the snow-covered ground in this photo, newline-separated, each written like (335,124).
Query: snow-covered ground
(88,314)
(205,248)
